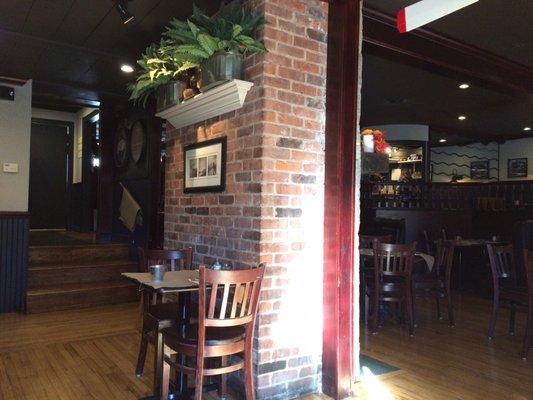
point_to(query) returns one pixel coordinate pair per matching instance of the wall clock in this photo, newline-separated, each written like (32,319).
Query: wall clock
(121,148)
(137,141)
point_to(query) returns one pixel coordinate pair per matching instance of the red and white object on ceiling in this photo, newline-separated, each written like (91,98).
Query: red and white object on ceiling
(426,11)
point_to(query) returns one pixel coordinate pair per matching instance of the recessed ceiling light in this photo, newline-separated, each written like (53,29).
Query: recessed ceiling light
(461,117)
(126,68)
(527,128)
(464,86)
(442,140)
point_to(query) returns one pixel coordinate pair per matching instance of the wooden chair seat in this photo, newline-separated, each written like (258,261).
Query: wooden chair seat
(213,336)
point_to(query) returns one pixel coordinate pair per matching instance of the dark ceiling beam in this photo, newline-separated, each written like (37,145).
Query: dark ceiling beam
(67,46)
(430,47)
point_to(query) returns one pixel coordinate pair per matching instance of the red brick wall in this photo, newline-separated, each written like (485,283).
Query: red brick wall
(272,208)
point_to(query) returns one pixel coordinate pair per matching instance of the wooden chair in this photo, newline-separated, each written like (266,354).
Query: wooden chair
(227,311)
(437,282)
(505,288)
(155,313)
(367,267)
(392,280)
(528,336)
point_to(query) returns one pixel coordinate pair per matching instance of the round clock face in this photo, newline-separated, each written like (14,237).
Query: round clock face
(121,148)
(137,142)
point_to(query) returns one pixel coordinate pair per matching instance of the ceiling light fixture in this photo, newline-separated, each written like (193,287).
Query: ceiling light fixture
(527,128)
(464,86)
(442,140)
(122,9)
(126,68)
(461,117)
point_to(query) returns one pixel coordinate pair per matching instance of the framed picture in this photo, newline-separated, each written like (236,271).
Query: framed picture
(205,166)
(517,168)
(479,170)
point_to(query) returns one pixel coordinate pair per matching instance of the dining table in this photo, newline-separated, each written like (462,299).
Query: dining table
(180,284)
(428,259)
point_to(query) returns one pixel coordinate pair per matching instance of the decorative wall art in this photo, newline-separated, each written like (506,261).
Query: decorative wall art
(137,141)
(517,168)
(205,166)
(479,170)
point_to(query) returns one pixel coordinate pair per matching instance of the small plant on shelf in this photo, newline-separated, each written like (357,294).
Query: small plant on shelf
(213,45)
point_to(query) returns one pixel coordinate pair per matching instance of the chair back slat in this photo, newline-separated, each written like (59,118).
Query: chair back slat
(228,304)
(175,260)
(212,300)
(502,261)
(444,254)
(244,299)
(393,259)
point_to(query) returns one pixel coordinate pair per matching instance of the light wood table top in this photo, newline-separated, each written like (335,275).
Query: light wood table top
(174,281)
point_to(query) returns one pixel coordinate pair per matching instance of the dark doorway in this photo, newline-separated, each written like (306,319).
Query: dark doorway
(50,173)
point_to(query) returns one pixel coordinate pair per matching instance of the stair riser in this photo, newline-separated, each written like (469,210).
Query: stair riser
(77,255)
(66,275)
(81,299)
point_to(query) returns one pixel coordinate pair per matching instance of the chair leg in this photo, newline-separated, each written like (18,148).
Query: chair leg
(528,337)
(494,315)
(449,300)
(375,311)
(367,308)
(439,312)
(413,308)
(222,388)
(249,370)
(165,381)
(410,310)
(141,358)
(158,362)
(199,382)
(512,319)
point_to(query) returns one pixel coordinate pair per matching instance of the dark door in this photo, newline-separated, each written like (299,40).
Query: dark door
(49,175)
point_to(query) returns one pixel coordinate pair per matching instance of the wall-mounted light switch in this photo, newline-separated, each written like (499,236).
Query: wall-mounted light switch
(11,168)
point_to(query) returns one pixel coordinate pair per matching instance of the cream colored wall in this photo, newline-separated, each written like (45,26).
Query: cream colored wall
(15,129)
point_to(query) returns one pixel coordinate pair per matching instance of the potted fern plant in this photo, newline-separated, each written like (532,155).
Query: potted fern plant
(212,48)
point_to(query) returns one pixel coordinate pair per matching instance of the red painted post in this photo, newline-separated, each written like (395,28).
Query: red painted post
(340,197)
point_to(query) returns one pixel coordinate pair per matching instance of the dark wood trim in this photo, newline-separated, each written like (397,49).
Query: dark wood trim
(108,126)
(14,214)
(439,50)
(340,198)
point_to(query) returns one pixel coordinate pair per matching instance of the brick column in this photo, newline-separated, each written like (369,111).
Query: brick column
(272,208)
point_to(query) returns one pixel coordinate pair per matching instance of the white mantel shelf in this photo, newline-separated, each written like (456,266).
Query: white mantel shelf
(227,97)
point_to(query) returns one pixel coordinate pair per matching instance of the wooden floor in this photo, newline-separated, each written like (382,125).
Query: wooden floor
(90,354)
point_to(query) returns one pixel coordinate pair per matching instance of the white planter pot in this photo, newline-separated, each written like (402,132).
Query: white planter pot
(368,143)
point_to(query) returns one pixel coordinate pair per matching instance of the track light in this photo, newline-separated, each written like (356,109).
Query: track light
(122,9)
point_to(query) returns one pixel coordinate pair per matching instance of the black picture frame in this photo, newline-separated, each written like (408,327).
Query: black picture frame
(479,170)
(517,168)
(212,176)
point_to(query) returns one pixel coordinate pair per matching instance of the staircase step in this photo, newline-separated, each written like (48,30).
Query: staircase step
(77,254)
(79,295)
(64,274)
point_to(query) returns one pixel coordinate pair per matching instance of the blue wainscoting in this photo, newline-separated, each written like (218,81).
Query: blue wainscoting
(14,242)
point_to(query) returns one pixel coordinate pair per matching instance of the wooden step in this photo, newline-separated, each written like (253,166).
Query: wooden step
(65,274)
(81,295)
(77,254)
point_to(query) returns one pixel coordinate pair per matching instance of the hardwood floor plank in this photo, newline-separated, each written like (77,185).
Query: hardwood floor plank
(91,353)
